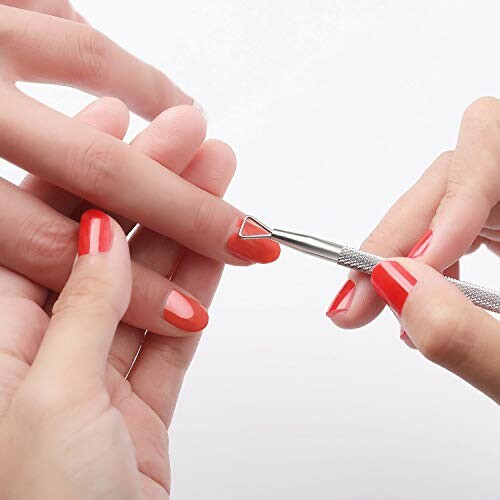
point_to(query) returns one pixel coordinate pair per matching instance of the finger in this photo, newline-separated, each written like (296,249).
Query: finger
(13,284)
(494,246)
(356,304)
(58,8)
(79,56)
(167,358)
(23,325)
(93,301)
(491,234)
(40,243)
(171,139)
(115,176)
(452,272)
(442,323)
(212,168)
(107,114)
(473,187)
(493,221)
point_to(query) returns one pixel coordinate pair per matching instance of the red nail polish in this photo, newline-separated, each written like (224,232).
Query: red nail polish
(404,337)
(343,300)
(421,246)
(95,233)
(262,251)
(393,283)
(185,312)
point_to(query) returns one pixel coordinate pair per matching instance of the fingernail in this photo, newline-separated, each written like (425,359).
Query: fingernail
(201,109)
(404,337)
(421,246)
(393,283)
(343,300)
(95,233)
(184,312)
(262,251)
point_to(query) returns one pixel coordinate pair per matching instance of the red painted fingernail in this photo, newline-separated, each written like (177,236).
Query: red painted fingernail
(393,283)
(404,337)
(262,251)
(95,235)
(343,300)
(185,312)
(421,245)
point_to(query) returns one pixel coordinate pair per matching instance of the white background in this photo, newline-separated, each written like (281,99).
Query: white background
(333,109)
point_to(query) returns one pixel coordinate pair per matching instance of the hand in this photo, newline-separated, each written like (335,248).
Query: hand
(93,165)
(74,161)
(451,210)
(163,359)
(70,425)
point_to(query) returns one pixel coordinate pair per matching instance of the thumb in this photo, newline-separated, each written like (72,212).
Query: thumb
(90,306)
(441,322)
(473,187)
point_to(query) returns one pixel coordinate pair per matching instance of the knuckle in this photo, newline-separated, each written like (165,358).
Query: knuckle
(98,167)
(444,159)
(381,240)
(204,218)
(88,294)
(93,53)
(447,342)
(50,238)
(172,354)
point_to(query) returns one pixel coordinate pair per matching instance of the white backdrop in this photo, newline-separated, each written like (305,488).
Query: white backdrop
(333,109)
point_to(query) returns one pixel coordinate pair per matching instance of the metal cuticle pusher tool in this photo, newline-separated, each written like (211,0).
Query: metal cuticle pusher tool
(355,259)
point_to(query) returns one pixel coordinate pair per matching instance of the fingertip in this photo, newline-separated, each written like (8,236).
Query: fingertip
(201,109)
(107,114)
(173,137)
(356,304)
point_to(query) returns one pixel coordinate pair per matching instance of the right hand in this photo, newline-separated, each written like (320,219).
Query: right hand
(456,206)
(152,182)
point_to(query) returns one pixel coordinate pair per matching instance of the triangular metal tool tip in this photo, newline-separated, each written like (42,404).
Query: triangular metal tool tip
(253,229)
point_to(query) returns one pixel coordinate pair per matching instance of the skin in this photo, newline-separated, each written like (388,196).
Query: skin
(142,411)
(458,197)
(76,164)
(70,425)
(87,162)
(48,215)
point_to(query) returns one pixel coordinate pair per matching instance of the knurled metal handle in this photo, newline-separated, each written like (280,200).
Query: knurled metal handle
(365,262)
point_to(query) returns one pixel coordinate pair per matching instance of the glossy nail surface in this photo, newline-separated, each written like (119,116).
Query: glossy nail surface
(393,283)
(184,312)
(343,300)
(421,245)
(95,235)
(262,251)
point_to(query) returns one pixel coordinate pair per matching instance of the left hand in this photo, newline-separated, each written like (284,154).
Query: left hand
(70,425)
(163,359)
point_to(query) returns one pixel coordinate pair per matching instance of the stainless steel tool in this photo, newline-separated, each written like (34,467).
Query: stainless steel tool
(357,259)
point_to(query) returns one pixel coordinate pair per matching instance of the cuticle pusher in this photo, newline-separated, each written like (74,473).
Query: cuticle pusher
(356,259)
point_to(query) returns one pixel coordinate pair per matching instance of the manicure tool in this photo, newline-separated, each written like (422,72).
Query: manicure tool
(356,259)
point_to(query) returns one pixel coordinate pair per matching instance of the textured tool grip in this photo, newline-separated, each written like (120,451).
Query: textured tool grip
(365,262)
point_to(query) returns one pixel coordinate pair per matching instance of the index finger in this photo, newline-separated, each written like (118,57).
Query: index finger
(113,175)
